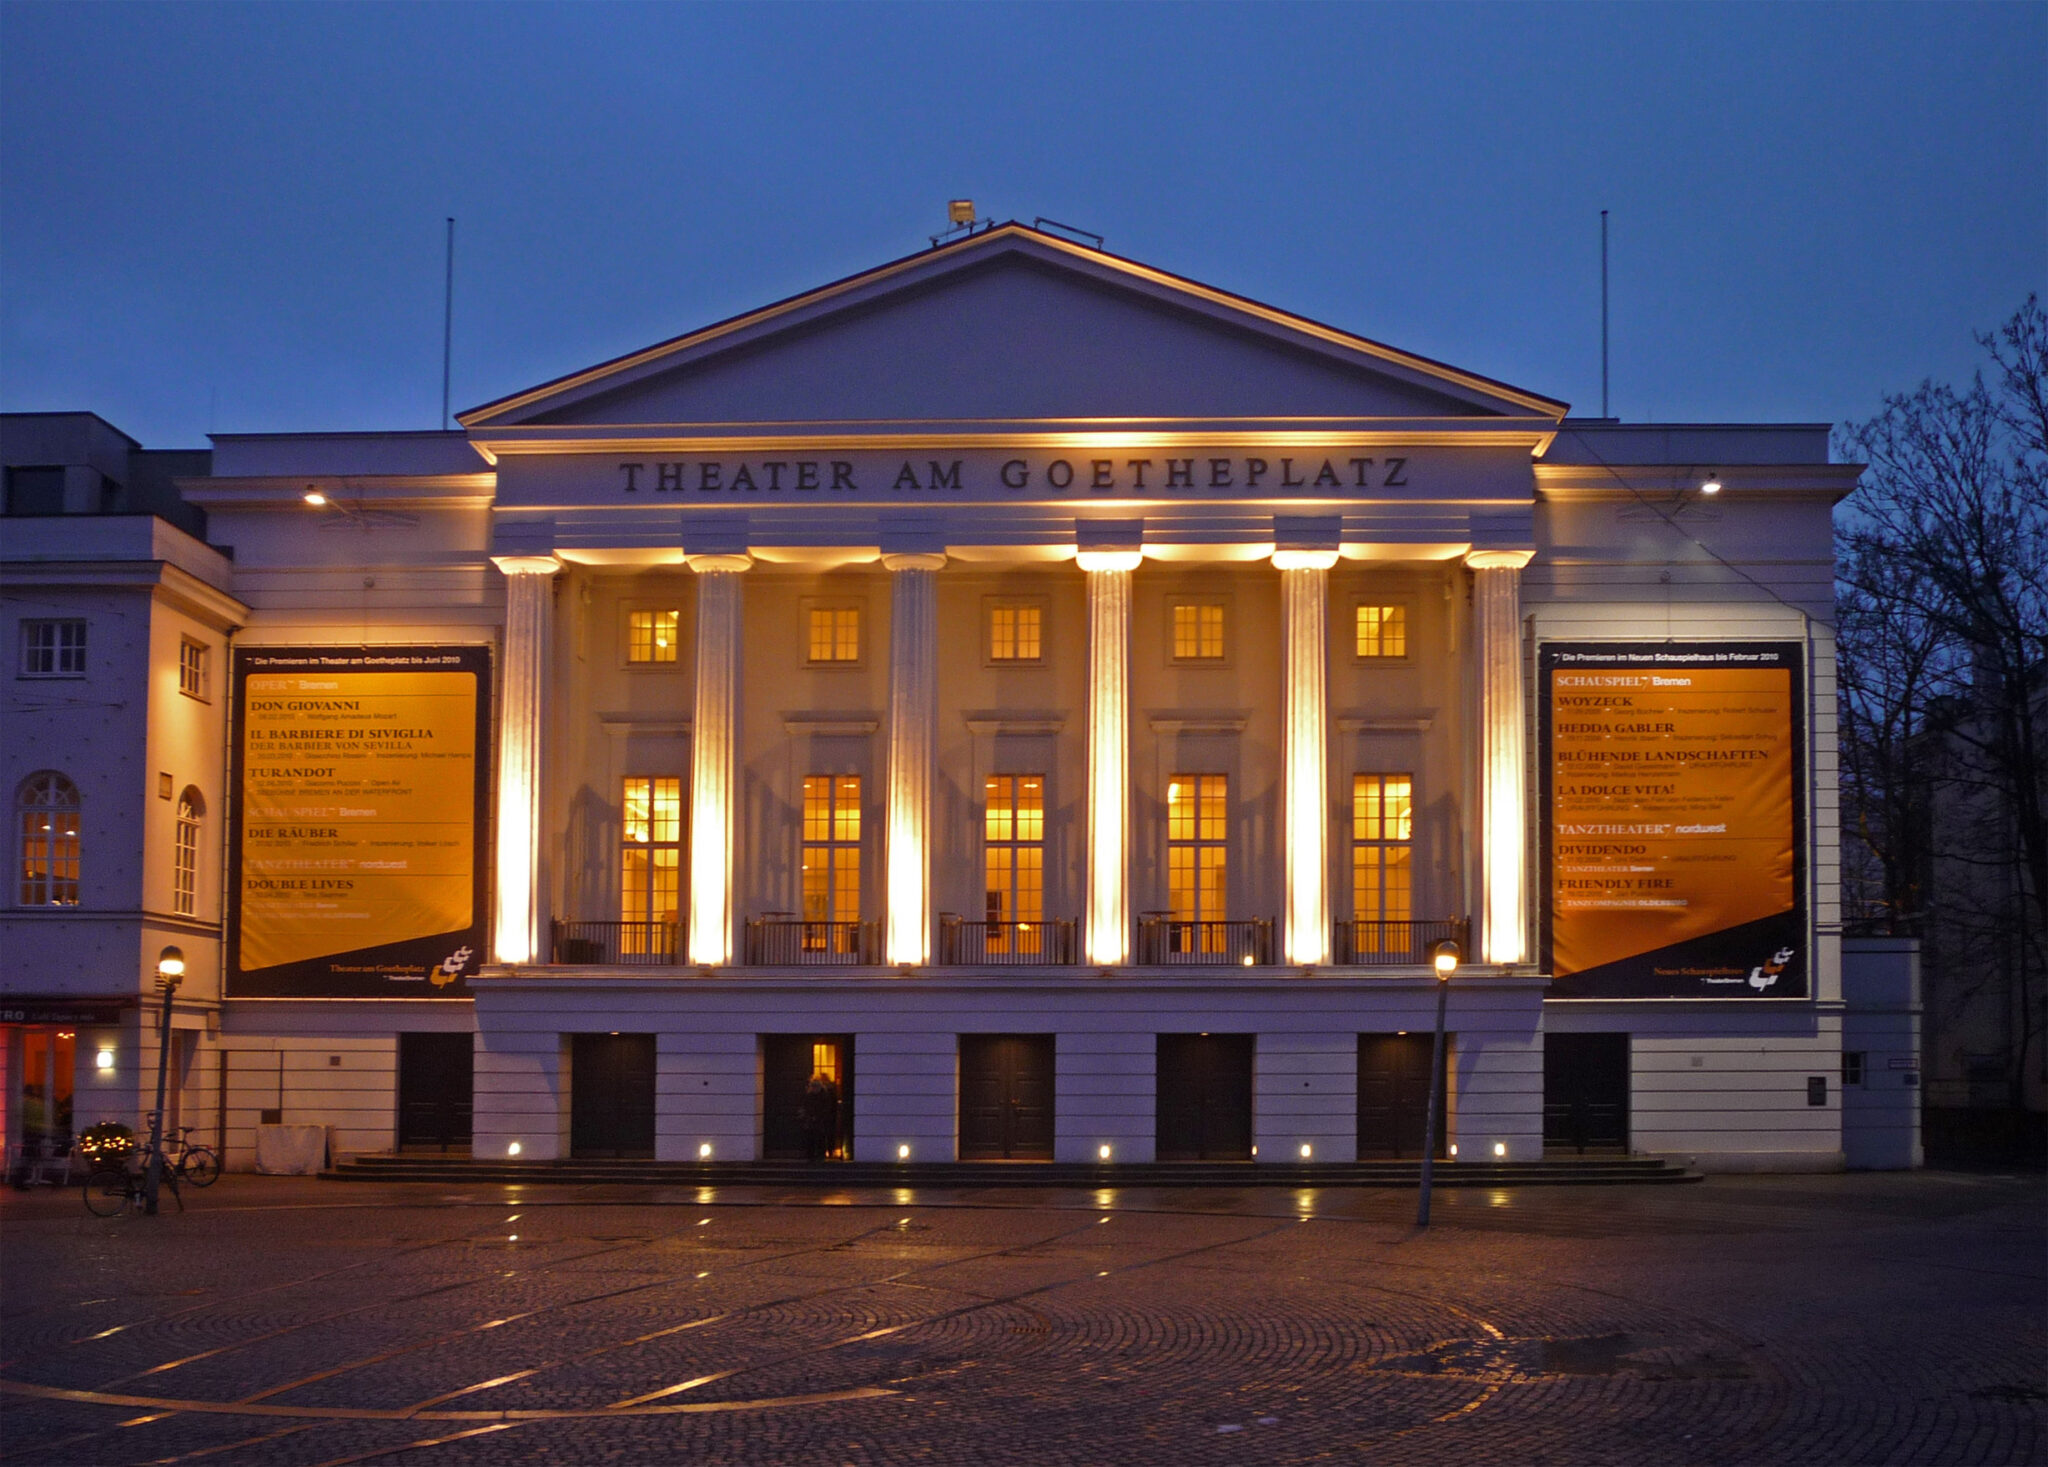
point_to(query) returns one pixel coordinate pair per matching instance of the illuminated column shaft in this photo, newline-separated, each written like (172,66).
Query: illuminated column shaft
(529,614)
(1304,594)
(913,734)
(714,756)
(1109,753)
(1497,610)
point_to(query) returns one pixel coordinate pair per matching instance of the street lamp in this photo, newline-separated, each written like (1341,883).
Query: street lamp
(170,972)
(1445,960)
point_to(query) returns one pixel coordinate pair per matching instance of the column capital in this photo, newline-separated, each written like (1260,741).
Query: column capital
(913,560)
(1318,560)
(526,565)
(705,564)
(1109,560)
(1498,559)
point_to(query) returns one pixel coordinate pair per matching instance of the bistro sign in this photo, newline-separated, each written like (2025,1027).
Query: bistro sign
(1238,474)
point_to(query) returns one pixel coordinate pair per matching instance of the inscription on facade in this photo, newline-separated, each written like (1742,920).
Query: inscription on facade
(1238,474)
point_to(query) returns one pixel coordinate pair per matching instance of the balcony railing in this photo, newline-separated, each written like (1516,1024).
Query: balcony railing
(1242,942)
(599,944)
(1372,944)
(967,943)
(782,940)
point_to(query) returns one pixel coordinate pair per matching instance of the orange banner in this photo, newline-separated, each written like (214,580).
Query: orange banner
(1671,808)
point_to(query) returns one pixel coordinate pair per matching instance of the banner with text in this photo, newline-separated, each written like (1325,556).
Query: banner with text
(356,835)
(1672,789)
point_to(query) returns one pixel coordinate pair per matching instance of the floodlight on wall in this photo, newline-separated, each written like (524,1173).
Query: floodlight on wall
(959,211)
(1711,484)
(356,513)
(103,1061)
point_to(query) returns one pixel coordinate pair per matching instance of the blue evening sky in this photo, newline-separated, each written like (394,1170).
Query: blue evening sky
(230,217)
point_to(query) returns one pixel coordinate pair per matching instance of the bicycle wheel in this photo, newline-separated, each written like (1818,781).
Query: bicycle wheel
(199,1166)
(106,1192)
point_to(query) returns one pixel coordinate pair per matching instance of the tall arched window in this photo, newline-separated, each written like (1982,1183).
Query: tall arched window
(185,870)
(46,808)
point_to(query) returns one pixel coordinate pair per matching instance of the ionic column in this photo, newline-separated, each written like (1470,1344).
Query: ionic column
(913,736)
(1305,749)
(714,756)
(529,616)
(1503,753)
(1108,935)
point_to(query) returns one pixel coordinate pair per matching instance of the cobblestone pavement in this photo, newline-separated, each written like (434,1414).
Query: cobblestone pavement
(1822,1320)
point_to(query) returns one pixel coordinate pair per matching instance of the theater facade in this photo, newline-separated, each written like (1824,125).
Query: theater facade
(1060,706)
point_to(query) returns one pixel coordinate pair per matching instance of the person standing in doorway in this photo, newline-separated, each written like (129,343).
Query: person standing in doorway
(821,1116)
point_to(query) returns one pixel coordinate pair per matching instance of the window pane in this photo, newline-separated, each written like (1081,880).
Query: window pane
(1215,804)
(668,809)
(1030,808)
(635,819)
(1180,809)
(1382,631)
(651,635)
(846,808)
(1002,633)
(1028,633)
(1000,822)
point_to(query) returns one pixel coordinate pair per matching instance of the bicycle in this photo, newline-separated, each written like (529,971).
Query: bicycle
(196,1163)
(114,1188)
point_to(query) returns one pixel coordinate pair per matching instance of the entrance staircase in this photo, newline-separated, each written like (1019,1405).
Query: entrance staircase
(1588,1171)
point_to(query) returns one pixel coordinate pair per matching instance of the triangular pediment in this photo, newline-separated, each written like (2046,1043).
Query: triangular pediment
(1010,325)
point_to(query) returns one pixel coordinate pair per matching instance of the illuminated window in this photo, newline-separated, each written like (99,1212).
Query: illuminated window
(1382,631)
(1013,861)
(192,668)
(53,649)
(46,814)
(1197,843)
(651,635)
(1016,631)
(650,862)
(185,854)
(1197,631)
(831,863)
(834,634)
(1382,852)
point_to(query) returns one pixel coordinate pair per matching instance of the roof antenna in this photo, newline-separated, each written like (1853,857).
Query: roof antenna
(1603,313)
(959,216)
(447,321)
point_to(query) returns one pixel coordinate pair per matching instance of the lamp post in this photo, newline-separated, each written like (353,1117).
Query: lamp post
(1445,960)
(170,971)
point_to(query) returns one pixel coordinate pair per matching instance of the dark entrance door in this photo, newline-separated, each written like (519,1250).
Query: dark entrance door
(1006,1097)
(1205,1097)
(436,1075)
(1393,1095)
(611,1095)
(787,1063)
(1585,1092)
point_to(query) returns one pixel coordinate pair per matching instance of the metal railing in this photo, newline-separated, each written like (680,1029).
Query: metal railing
(1375,944)
(607,944)
(783,940)
(1237,942)
(967,943)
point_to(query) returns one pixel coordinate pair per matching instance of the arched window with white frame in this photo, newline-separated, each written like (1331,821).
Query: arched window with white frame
(46,814)
(185,854)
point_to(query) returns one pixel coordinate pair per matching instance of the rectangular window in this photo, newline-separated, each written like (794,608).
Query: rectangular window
(1852,1068)
(185,859)
(1016,632)
(650,863)
(651,636)
(192,668)
(831,863)
(1382,631)
(1013,862)
(53,648)
(1382,864)
(1197,631)
(834,634)
(1197,861)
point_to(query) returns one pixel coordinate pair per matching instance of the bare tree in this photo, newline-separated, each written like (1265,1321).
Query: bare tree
(1943,563)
